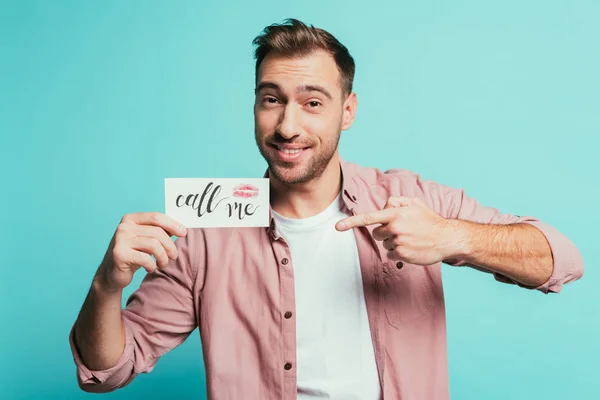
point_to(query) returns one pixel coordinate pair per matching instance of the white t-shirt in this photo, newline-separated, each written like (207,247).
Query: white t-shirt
(335,356)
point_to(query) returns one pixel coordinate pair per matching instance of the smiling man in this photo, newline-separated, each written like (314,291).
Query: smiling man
(341,296)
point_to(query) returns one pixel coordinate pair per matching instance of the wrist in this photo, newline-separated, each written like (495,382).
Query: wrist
(458,239)
(101,284)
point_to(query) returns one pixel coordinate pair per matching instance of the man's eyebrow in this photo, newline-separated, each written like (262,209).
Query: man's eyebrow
(299,89)
(314,88)
(267,85)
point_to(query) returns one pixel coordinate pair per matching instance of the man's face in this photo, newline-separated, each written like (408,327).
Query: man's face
(299,114)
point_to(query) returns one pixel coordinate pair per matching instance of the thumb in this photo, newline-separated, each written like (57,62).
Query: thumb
(397,201)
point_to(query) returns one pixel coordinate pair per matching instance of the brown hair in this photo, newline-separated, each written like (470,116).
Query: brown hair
(293,38)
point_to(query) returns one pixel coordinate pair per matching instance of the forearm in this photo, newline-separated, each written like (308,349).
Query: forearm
(517,251)
(99,330)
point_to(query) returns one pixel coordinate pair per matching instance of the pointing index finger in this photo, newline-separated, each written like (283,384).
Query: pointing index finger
(370,218)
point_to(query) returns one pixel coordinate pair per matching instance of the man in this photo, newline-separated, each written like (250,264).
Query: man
(341,297)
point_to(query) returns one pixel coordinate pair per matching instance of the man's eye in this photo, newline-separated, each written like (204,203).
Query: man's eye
(314,104)
(270,100)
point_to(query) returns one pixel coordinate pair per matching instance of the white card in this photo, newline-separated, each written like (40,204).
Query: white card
(219,202)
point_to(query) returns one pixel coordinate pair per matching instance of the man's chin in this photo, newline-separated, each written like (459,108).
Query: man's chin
(290,175)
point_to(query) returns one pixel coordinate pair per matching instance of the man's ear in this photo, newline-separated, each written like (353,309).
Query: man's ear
(349,112)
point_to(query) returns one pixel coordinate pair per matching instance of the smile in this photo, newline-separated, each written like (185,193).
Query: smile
(288,154)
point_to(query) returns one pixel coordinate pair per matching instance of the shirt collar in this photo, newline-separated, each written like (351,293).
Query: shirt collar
(349,193)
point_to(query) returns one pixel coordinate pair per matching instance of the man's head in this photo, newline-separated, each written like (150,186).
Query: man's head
(303,100)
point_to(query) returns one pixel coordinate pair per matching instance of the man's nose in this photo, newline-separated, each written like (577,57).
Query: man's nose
(288,125)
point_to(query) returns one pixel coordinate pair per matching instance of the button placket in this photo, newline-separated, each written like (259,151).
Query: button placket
(287,307)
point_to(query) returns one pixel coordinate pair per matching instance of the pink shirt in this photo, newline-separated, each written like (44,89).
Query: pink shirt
(237,285)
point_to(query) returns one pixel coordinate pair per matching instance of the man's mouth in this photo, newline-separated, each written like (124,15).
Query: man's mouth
(289,153)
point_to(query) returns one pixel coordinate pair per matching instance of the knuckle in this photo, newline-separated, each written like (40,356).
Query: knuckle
(395,226)
(126,218)
(159,250)
(155,245)
(122,228)
(155,232)
(155,217)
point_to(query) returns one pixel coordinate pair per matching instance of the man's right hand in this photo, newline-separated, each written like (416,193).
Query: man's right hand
(138,237)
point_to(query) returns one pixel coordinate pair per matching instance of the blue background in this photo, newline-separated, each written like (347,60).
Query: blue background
(100,101)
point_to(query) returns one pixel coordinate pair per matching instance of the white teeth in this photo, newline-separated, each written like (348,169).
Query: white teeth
(291,151)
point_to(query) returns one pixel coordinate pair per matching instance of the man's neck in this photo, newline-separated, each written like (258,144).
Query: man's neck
(310,198)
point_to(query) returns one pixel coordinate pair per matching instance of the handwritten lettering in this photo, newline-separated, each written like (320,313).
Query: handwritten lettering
(208,202)
(243,211)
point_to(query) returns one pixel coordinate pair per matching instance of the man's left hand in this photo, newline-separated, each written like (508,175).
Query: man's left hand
(409,230)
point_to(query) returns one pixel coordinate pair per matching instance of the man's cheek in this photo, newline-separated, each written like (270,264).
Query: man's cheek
(266,122)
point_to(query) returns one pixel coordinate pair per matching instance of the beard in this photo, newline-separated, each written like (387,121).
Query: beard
(298,172)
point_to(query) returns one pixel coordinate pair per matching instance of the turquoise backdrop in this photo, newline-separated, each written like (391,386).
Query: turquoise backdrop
(101,100)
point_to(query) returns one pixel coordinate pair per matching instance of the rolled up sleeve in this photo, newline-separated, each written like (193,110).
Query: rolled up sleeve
(158,317)
(453,203)
(567,259)
(94,381)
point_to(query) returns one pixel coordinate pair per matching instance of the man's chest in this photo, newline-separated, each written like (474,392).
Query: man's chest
(260,278)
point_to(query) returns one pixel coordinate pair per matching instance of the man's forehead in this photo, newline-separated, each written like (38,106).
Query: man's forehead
(318,68)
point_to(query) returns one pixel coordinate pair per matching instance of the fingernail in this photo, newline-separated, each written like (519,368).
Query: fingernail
(182,229)
(341,226)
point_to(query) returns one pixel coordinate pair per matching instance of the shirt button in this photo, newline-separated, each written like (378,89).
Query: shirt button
(284,261)
(287,366)
(288,315)
(399,264)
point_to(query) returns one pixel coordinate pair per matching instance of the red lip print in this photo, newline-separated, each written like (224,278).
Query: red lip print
(245,191)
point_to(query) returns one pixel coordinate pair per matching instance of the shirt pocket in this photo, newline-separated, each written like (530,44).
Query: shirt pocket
(408,293)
